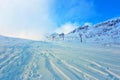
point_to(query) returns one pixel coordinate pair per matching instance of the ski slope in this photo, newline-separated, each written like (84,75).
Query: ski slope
(38,60)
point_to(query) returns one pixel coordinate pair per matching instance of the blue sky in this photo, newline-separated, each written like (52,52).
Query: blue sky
(82,11)
(32,19)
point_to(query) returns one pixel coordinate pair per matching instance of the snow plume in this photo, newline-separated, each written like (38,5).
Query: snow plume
(66,28)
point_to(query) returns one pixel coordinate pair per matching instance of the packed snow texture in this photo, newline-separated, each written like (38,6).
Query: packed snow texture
(62,60)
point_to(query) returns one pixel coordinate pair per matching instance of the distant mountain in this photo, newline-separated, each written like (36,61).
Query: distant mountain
(107,31)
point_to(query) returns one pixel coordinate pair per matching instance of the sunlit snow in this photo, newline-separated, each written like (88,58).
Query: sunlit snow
(62,60)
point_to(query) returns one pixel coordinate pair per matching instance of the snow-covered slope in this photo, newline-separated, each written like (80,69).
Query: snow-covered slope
(107,31)
(36,60)
(22,59)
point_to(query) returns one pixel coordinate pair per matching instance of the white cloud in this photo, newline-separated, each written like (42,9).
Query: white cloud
(66,28)
(74,10)
(88,23)
(31,18)
(25,18)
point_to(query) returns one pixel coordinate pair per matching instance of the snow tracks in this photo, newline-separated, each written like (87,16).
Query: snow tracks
(50,61)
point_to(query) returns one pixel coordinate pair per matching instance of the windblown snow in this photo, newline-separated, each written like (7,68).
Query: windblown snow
(62,60)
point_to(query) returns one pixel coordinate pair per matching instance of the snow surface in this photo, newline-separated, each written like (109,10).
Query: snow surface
(61,60)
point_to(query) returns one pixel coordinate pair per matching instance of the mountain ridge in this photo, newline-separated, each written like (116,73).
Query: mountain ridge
(108,30)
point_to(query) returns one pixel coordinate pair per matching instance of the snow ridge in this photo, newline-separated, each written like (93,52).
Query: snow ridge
(107,31)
